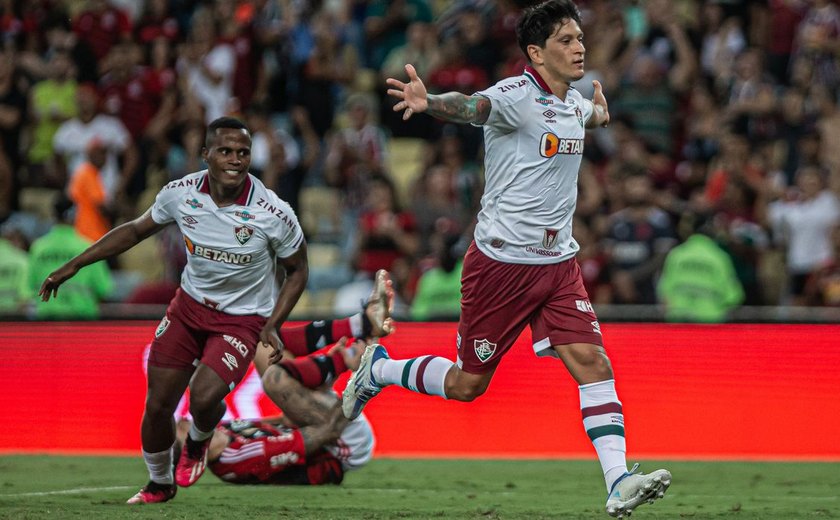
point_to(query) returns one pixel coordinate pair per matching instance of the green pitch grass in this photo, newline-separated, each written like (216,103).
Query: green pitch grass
(93,487)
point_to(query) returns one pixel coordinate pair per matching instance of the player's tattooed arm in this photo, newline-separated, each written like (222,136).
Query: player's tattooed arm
(459,108)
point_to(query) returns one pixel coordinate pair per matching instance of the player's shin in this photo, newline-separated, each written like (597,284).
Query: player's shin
(604,423)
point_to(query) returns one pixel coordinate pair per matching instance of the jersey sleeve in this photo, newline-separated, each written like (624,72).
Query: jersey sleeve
(588,109)
(505,114)
(163,209)
(286,236)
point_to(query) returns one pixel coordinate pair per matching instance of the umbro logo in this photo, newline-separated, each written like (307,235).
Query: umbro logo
(549,114)
(230,361)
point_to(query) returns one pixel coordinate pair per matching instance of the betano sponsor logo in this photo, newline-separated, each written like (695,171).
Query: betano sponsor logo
(216,255)
(551,145)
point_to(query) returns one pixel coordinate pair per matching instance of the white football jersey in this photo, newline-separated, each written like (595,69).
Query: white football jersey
(533,149)
(232,251)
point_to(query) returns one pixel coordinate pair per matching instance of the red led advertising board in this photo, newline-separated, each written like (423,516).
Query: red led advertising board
(688,391)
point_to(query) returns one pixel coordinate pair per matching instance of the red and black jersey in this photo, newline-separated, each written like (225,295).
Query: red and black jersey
(262,453)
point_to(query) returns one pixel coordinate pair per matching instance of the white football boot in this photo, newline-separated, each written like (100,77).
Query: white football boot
(633,489)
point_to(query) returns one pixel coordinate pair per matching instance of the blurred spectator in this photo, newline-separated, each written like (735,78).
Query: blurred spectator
(593,263)
(156,21)
(59,38)
(15,293)
(455,72)
(330,66)
(750,97)
(78,298)
(638,238)
(724,39)
(479,48)
(698,282)
(128,90)
(436,206)
(101,26)
(12,118)
(438,294)
(732,164)
(357,151)
(277,158)
(52,101)
(386,25)
(824,103)
(823,286)
(237,30)
(74,135)
(735,229)
(206,67)
(387,237)
(93,211)
(784,19)
(420,49)
(818,41)
(803,223)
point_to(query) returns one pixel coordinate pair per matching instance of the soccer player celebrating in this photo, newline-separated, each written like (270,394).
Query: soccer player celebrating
(237,232)
(521,269)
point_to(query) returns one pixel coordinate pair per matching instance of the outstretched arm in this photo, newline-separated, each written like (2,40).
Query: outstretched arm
(116,241)
(451,106)
(600,114)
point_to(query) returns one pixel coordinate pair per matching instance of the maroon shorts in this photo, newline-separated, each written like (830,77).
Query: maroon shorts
(192,333)
(499,299)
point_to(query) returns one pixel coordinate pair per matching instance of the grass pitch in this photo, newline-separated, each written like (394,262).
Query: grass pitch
(35,487)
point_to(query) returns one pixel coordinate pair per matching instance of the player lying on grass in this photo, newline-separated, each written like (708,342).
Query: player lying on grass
(311,444)
(300,387)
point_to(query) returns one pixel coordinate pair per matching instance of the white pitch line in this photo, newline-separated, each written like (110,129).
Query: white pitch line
(64,491)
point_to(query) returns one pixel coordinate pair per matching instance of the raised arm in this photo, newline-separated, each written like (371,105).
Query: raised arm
(116,241)
(450,106)
(600,113)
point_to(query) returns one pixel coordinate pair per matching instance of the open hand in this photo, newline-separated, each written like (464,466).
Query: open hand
(412,95)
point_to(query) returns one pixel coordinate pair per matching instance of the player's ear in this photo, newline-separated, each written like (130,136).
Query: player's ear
(535,54)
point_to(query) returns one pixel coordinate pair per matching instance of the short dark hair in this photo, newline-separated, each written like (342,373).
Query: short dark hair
(538,23)
(223,122)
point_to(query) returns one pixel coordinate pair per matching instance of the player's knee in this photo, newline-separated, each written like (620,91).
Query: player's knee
(275,381)
(158,407)
(203,404)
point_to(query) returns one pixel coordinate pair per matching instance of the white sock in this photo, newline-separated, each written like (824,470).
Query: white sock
(604,423)
(424,374)
(198,435)
(160,466)
(356,327)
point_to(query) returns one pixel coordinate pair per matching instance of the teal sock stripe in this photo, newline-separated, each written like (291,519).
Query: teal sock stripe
(600,431)
(406,372)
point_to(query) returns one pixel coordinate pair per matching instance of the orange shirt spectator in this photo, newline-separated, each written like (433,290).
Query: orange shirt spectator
(88,194)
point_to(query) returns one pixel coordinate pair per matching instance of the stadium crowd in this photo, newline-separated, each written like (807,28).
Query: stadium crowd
(722,117)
